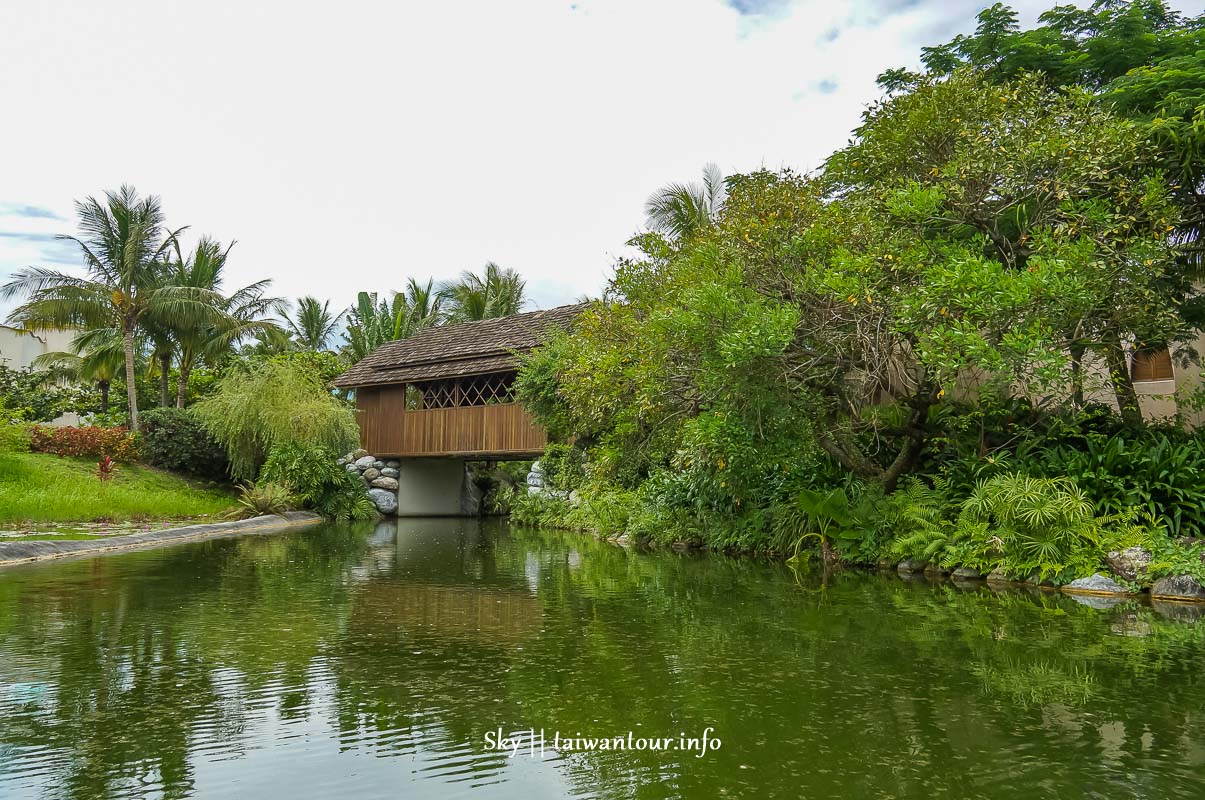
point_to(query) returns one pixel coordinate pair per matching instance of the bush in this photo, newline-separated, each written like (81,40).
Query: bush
(175,439)
(14,437)
(312,475)
(1161,474)
(89,442)
(265,498)
(260,405)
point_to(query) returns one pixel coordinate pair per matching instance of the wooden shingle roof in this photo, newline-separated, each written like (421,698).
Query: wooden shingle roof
(469,348)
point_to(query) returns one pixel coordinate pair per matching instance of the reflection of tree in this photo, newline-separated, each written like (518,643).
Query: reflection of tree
(130,662)
(426,639)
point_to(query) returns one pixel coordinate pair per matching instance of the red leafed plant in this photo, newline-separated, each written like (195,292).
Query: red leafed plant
(105,468)
(116,443)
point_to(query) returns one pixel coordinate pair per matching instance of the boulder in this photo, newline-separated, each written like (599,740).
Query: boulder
(393,464)
(352,468)
(1128,564)
(911,565)
(371,474)
(379,464)
(385,483)
(341,460)
(364,462)
(384,500)
(357,454)
(390,472)
(998,576)
(967,574)
(1179,587)
(1095,584)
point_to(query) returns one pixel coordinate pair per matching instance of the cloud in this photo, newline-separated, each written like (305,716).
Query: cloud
(827,85)
(30,212)
(759,8)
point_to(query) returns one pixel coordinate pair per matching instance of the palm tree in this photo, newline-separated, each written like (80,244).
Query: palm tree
(498,292)
(313,324)
(372,322)
(124,244)
(212,335)
(681,210)
(95,357)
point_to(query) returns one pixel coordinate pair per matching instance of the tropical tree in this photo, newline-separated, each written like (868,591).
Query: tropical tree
(372,322)
(1139,56)
(497,292)
(312,325)
(226,319)
(125,246)
(680,211)
(95,359)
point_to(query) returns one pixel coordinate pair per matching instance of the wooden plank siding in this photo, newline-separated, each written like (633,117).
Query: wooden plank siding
(501,430)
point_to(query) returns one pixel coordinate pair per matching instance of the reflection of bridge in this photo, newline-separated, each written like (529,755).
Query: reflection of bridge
(447,393)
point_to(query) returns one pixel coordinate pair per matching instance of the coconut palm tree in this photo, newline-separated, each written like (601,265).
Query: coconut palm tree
(681,210)
(208,337)
(498,292)
(372,322)
(312,325)
(124,245)
(95,357)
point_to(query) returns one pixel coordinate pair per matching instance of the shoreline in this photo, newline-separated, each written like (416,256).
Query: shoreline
(13,553)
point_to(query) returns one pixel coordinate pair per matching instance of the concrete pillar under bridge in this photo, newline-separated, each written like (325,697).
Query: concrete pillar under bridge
(435,487)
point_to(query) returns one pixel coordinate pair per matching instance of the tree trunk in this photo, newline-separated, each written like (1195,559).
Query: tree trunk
(165,368)
(1077,375)
(182,381)
(131,386)
(104,396)
(1123,384)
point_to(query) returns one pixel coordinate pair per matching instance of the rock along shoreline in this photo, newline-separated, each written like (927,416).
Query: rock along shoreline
(26,552)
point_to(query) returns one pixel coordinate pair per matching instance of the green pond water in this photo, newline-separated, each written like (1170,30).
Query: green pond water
(380,661)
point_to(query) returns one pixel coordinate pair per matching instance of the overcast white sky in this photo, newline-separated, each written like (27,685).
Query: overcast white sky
(350,145)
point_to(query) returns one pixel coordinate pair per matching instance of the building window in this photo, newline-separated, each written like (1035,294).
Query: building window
(1152,364)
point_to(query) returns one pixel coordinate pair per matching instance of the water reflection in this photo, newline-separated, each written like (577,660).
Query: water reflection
(371,661)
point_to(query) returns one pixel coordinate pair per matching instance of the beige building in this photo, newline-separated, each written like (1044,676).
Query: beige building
(19,348)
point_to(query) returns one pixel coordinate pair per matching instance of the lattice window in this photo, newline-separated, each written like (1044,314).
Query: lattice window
(476,390)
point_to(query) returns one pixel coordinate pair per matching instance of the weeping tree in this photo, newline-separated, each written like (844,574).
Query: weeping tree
(124,245)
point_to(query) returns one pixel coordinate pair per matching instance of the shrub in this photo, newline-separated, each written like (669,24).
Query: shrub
(265,498)
(312,475)
(14,437)
(262,404)
(89,442)
(1162,475)
(175,439)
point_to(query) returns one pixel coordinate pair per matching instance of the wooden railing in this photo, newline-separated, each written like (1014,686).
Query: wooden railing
(492,431)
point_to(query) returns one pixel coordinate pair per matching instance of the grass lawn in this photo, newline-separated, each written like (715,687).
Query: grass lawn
(40,488)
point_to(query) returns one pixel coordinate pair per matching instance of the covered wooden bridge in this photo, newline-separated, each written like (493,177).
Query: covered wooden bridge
(447,392)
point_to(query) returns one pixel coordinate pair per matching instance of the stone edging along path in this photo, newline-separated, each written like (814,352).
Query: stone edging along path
(24,552)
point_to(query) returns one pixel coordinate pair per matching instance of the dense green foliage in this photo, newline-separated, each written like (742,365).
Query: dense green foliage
(932,312)
(264,403)
(175,439)
(311,474)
